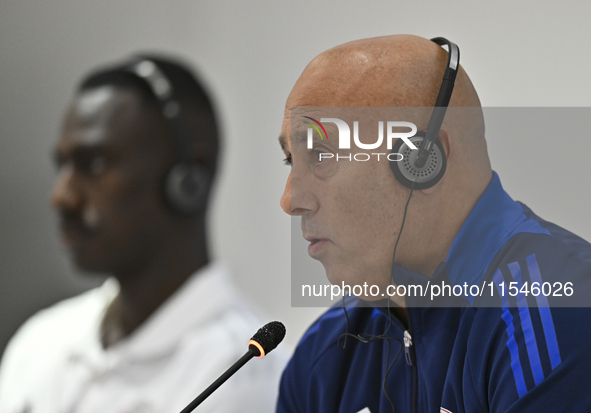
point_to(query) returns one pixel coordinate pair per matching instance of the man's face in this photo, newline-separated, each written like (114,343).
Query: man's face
(110,164)
(350,211)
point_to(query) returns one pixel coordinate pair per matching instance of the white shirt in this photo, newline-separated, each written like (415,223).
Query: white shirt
(56,364)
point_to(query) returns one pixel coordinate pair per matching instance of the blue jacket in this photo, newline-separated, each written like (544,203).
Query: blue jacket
(511,353)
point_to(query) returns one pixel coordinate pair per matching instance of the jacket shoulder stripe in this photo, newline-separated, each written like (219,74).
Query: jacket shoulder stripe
(545,313)
(526,325)
(511,343)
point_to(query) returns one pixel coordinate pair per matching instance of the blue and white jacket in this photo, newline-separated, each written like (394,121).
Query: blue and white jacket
(516,353)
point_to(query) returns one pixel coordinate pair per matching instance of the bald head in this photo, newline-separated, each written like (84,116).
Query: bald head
(388,71)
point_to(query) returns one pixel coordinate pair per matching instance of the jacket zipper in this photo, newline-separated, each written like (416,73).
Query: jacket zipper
(407,344)
(409,355)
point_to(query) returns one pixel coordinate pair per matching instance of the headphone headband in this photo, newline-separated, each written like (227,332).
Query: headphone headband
(159,84)
(163,90)
(453,58)
(443,98)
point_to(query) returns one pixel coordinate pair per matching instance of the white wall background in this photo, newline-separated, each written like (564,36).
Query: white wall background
(526,53)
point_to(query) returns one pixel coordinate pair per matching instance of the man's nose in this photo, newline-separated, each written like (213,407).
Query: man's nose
(296,198)
(65,195)
(285,201)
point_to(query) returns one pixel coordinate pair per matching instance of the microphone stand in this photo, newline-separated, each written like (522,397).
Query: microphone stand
(213,386)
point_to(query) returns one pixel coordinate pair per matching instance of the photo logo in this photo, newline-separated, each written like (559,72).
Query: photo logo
(345,137)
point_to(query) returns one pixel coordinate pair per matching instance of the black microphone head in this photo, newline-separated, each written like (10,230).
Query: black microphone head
(267,338)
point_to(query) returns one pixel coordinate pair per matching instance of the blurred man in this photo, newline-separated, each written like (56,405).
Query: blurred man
(136,158)
(440,216)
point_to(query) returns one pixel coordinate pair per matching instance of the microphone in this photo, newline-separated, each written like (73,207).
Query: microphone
(261,344)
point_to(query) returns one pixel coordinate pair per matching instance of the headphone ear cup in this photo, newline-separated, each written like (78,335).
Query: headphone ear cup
(407,173)
(185,188)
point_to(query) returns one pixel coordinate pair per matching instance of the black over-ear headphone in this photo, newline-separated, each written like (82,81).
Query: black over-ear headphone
(423,168)
(186,183)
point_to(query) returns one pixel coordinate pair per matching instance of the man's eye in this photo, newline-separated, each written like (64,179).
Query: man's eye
(287,161)
(58,162)
(321,156)
(91,165)
(96,166)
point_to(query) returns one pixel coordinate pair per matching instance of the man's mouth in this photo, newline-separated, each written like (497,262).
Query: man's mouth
(73,231)
(316,245)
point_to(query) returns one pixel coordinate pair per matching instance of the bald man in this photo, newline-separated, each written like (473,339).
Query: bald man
(458,354)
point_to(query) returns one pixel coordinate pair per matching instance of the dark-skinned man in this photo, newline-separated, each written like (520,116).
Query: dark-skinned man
(136,158)
(500,353)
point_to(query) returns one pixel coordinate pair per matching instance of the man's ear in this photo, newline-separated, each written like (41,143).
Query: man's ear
(447,141)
